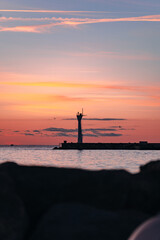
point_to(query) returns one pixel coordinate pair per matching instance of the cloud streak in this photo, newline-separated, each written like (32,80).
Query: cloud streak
(29,28)
(72,132)
(142,91)
(104,119)
(88,132)
(28,134)
(37,98)
(64,130)
(98,119)
(72,22)
(48,11)
(83,85)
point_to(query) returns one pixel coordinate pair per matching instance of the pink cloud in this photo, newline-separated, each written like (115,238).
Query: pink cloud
(72,22)
(30,28)
(49,11)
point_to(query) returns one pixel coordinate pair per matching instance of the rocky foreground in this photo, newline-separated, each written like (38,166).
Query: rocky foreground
(40,203)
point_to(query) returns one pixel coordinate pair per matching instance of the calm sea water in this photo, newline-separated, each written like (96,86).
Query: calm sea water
(86,159)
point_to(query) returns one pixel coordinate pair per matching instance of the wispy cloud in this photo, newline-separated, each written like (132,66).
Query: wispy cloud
(82,85)
(98,119)
(89,135)
(37,98)
(28,134)
(88,132)
(30,28)
(72,22)
(109,134)
(142,91)
(48,11)
(72,132)
(94,130)
(54,84)
(36,131)
(104,119)
(61,134)
(64,130)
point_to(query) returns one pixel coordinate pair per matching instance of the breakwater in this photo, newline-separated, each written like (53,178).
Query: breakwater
(112,146)
(45,203)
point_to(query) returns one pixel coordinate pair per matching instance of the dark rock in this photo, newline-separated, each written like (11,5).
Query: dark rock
(145,194)
(151,166)
(39,188)
(13,217)
(81,222)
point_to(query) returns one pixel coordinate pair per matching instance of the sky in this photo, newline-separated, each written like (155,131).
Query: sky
(58,56)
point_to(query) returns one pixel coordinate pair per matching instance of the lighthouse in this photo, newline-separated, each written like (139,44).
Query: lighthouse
(79,118)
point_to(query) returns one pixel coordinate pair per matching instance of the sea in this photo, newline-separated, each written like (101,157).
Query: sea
(129,160)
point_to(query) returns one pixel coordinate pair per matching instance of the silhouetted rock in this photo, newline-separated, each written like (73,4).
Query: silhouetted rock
(74,221)
(145,195)
(13,217)
(41,187)
(32,191)
(151,166)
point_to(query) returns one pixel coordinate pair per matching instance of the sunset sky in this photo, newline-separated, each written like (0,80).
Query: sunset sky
(59,56)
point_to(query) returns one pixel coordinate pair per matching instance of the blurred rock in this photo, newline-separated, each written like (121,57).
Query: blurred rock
(75,221)
(13,217)
(151,166)
(41,187)
(31,191)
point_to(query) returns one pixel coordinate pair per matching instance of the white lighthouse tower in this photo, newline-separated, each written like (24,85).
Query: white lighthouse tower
(79,118)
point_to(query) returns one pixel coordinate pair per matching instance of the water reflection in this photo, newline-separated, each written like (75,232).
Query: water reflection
(86,159)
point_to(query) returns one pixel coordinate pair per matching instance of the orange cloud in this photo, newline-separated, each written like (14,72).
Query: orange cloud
(84,85)
(28,101)
(53,84)
(27,105)
(74,22)
(22,98)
